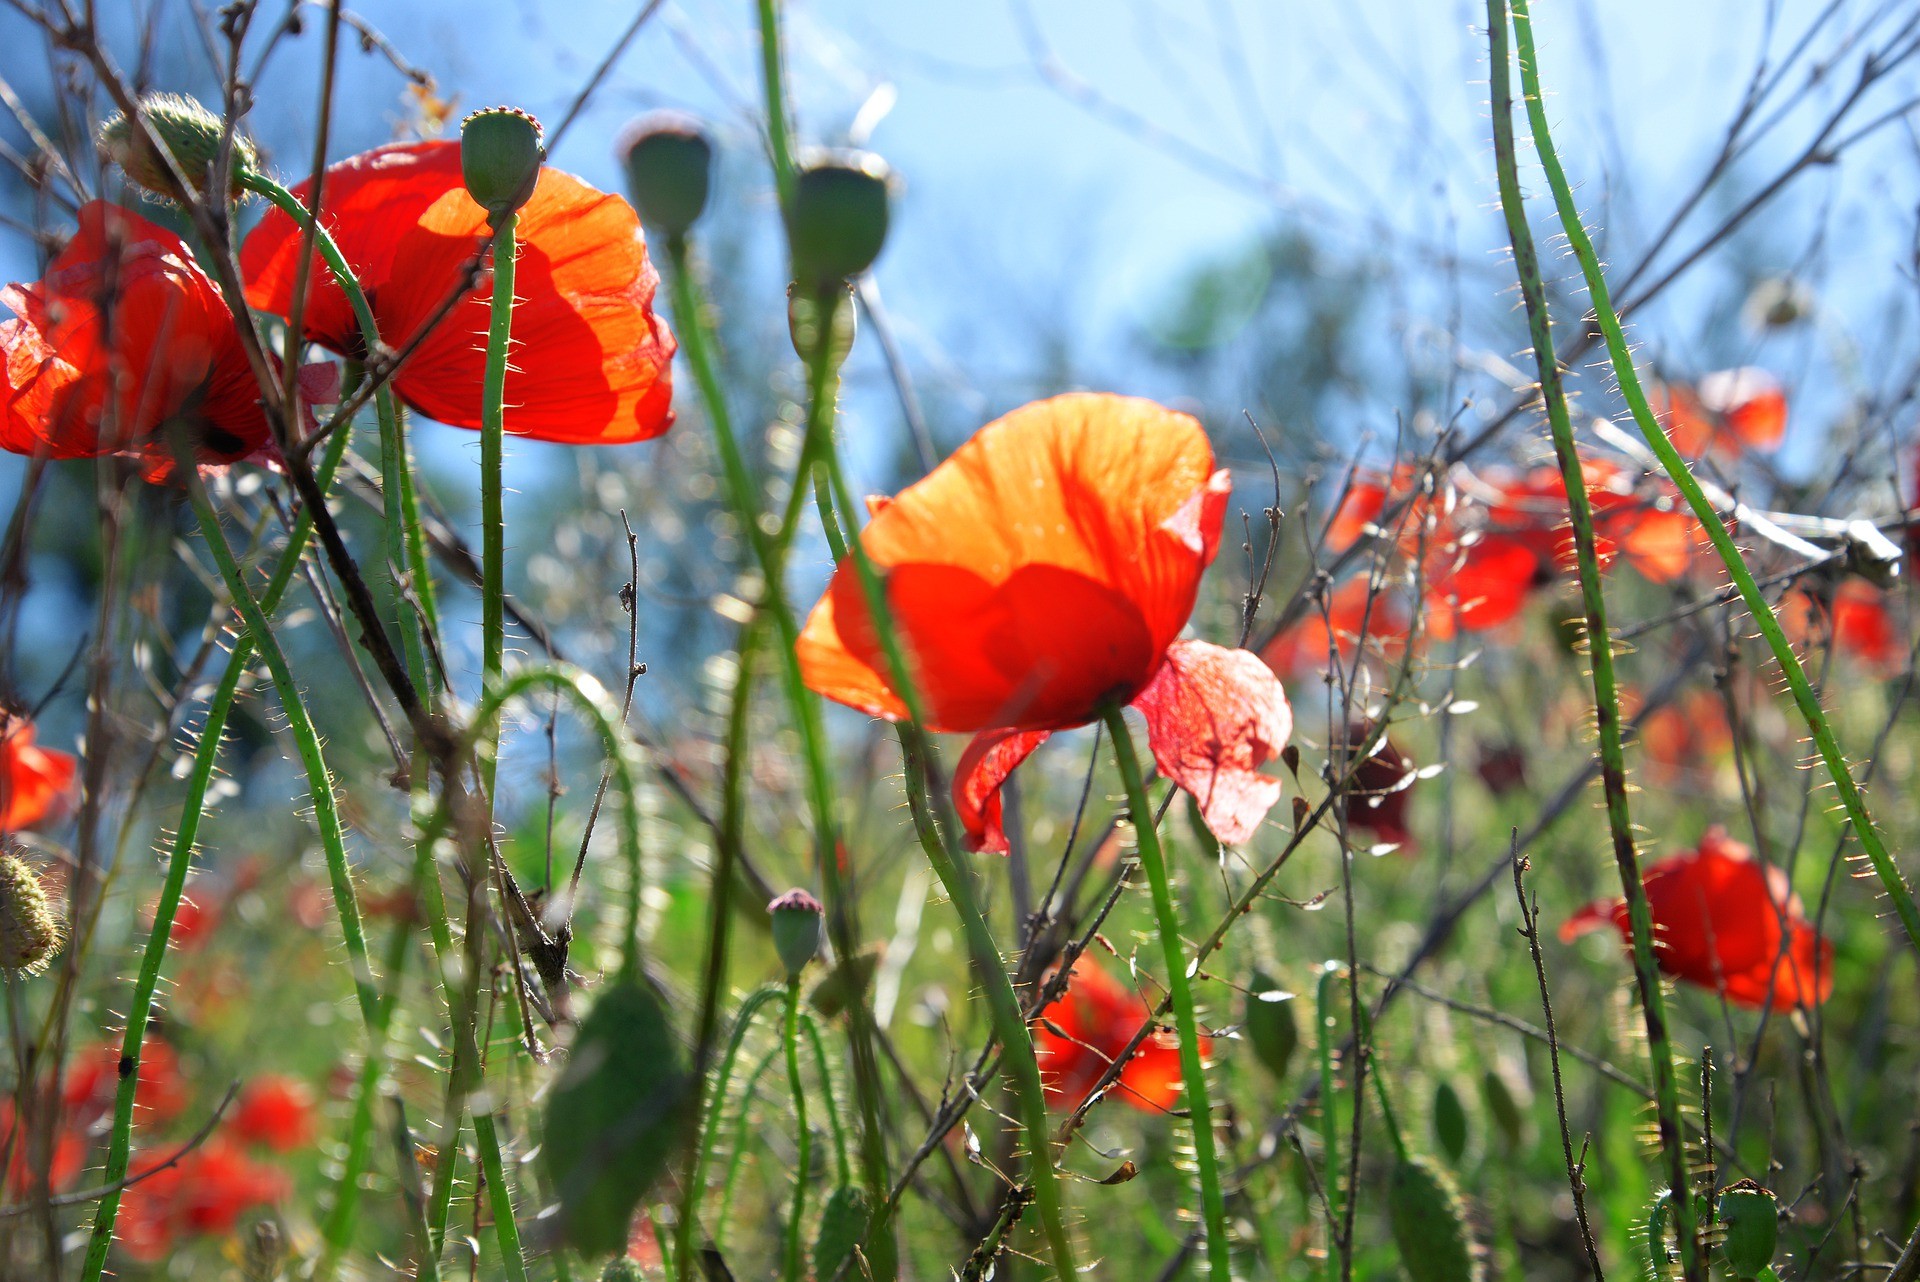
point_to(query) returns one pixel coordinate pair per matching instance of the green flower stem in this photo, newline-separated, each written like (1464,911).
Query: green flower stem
(803,1137)
(493,527)
(1193,1078)
(1329,1112)
(180,863)
(771,551)
(1670,458)
(407,542)
(1010,1024)
(1606,697)
(840,1165)
(742,1138)
(779,142)
(710,1130)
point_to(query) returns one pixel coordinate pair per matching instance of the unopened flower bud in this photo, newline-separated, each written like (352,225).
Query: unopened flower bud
(1750,1215)
(669,162)
(190,133)
(796,929)
(30,932)
(621,1269)
(827,317)
(500,158)
(839,218)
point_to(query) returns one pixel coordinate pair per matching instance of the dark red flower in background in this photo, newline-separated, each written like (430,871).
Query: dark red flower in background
(1042,572)
(1727,922)
(591,362)
(204,1194)
(124,342)
(37,784)
(1382,785)
(1079,1036)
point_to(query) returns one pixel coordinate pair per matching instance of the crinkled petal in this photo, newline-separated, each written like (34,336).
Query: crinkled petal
(984,766)
(1214,717)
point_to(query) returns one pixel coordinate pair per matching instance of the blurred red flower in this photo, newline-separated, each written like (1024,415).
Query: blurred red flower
(591,361)
(204,1194)
(1079,1036)
(1729,410)
(1382,786)
(1355,614)
(276,1111)
(1042,572)
(93,1078)
(1727,922)
(123,341)
(37,785)
(64,1164)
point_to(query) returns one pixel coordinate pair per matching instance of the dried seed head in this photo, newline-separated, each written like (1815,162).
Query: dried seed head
(190,133)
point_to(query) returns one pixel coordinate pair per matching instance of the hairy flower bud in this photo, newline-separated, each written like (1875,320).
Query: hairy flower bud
(839,219)
(190,133)
(1750,1214)
(796,929)
(668,159)
(30,932)
(621,1269)
(500,158)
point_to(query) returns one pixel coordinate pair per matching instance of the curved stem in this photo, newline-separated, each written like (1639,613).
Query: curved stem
(1193,1078)
(1606,696)
(841,1167)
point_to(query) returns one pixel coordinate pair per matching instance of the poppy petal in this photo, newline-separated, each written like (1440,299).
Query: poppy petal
(984,766)
(1214,717)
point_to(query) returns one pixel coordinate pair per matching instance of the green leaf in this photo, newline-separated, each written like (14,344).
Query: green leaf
(1450,1122)
(1270,1024)
(843,1223)
(1429,1224)
(615,1117)
(847,981)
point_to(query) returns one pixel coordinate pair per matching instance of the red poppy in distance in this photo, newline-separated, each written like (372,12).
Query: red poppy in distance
(36,784)
(1042,573)
(1729,410)
(276,1111)
(1727,922)
(124,342)
(591,362)
(1079,1036)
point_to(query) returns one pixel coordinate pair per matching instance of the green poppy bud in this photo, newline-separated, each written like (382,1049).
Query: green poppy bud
(838,223)
(1750,1215)
(669,162)
(30,931)
(1450,1123)
(1270,1024)
(826,317)
(796,929)
(500,158)
(190,133)
(621,1269)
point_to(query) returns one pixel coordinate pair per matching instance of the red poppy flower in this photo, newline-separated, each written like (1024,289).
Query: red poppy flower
(1656,538)
(37,785)
(1684,736)
(124,341)
(1078,1037)
(1856,621)
(204,1194)
(93,1079)
(64,1165)
(1727,922)
(1355,612)
(1729,410)
(276,1111)
(591,362)
(1042,572)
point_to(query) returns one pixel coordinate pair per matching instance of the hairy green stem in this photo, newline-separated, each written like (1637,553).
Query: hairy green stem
(493,527)
(802,1136)
(1606,697)
(1213,1202)
(779,143)
(1891,879)
(180,863)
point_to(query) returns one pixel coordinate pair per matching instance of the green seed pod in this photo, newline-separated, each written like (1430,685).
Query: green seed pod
(805,314)
(669,162)
(30,931)
(500,158)
(1429,1223)
(1750,1214)
(1450,1121)
(1270,1024)
(843,1225)
(191,134)
(1504,1104)
(838,223)
(621,1269)
(796,929)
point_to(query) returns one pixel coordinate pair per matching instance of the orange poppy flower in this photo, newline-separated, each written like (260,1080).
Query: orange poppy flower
(1656,538)
(591,362)
(1077,1038)
(124,341)
(1727,922)
(1042,572)
(37,784)
(1730,410)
